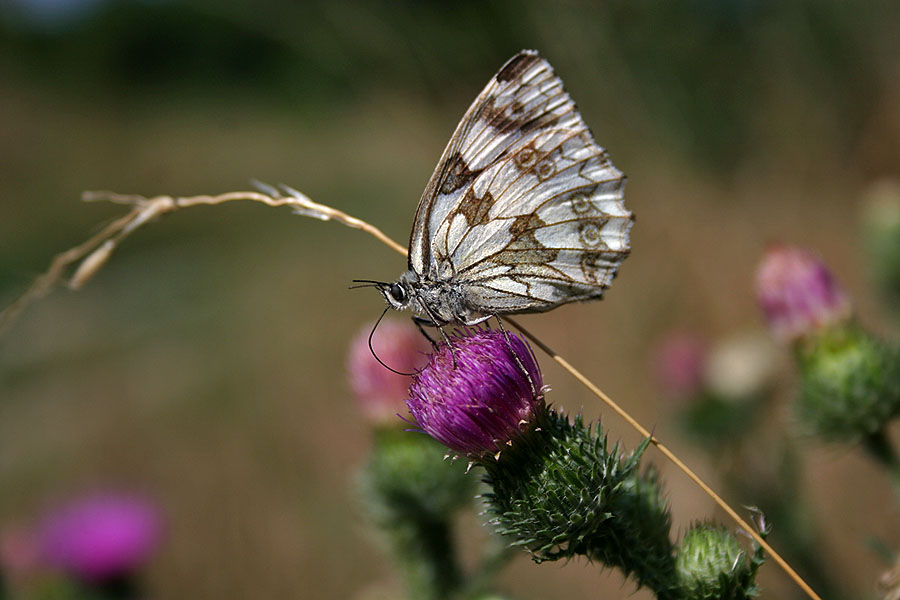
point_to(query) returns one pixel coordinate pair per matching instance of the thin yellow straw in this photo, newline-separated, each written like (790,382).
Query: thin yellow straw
(96,250)
(670,455)
(663,449)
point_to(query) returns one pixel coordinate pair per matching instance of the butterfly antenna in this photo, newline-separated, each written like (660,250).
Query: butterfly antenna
(372,350)
(368,283)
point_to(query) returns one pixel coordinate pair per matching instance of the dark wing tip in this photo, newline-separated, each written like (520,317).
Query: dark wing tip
(517,65)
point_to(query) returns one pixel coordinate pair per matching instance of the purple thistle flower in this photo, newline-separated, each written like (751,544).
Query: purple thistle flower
(483,401)
(798,294)
(380,392)
(101,536)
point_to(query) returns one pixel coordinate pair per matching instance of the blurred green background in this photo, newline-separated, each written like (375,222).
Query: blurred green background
(205,363)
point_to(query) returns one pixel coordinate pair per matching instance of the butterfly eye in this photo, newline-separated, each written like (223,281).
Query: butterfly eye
(398,293)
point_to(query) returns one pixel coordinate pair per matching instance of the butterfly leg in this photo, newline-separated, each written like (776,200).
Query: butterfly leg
(420,323)
(515,355)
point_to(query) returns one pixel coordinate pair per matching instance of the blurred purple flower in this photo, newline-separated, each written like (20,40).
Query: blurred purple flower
(679,363)
(381,393)
(798,294)
(485,400)
(102,535)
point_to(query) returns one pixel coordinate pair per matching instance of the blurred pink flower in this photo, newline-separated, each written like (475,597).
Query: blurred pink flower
(679,363)
(798,294)
(102,535)
(381,393)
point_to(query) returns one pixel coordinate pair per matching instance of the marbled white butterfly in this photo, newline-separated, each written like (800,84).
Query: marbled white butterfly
(524,211)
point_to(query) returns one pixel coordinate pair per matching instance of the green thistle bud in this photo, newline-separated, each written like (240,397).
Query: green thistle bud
(712,566)
(850,384)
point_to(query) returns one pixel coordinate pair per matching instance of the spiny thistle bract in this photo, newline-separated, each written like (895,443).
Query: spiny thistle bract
(711,565)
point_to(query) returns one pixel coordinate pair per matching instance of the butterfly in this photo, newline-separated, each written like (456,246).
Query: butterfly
(524,211)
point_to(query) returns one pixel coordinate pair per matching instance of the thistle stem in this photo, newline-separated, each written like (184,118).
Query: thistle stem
(879,447)
(428,559)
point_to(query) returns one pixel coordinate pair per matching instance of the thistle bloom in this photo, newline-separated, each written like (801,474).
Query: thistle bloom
(381,393)
(798,294)
(476,398)
(101,536)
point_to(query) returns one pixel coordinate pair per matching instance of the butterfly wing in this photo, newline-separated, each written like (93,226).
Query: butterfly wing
(524,209)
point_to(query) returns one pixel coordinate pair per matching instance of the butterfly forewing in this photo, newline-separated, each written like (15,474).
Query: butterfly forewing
(524,210)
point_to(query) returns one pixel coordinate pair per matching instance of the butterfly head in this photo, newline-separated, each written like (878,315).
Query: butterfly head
(397,295)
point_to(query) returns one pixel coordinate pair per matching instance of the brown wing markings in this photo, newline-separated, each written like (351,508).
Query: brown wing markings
(500,156)
(474,210)
(614,256)
(504,124)
(573,293)
(517,65)
(498,118)
(589,267)
(587,189)
(422,220)
(538,158)
(521,174)
(456,174)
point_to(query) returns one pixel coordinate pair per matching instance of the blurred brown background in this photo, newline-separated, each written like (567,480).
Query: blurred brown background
(205,363)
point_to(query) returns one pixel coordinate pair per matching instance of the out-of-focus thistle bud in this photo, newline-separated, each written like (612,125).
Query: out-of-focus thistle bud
(881,236)
(480,396)
(711,565)
(850,385)
(380,392)
(850,380)
(798,294)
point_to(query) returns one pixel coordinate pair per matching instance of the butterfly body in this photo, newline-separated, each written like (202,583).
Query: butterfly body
(523,213)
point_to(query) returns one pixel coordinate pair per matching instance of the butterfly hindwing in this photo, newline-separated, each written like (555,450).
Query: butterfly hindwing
(524,208)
